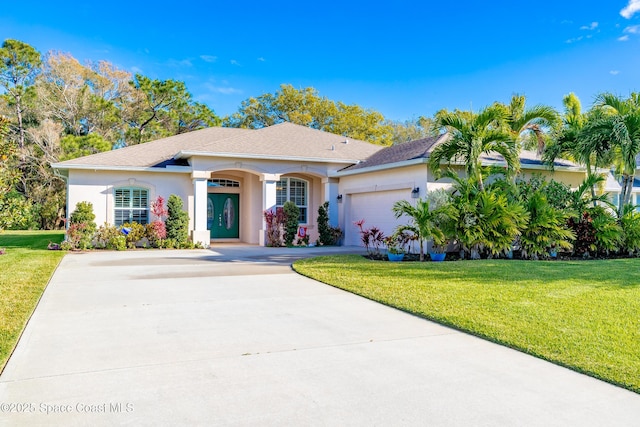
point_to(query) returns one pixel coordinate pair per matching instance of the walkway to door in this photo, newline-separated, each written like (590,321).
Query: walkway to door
(232,336)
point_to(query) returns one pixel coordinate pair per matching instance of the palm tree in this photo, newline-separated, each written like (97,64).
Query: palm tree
(423,221)
(472,135)
(534,121)
(575,140)
(617,128)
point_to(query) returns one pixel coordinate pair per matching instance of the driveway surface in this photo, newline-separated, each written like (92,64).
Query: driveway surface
(231,336)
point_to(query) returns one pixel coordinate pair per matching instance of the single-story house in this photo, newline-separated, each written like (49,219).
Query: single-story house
(228,177)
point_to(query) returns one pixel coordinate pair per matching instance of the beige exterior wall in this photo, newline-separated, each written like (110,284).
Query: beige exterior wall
(370,196)
(97,187)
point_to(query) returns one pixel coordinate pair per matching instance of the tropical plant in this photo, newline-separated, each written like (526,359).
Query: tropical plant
(630,224)
(423,222)
(471,135)
(608,232)
(619,127)
(372,238)
(546,229)
(535,121)
(274,221)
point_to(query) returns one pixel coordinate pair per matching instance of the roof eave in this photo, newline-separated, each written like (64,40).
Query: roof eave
(188,154)
(404,163)
(167,169)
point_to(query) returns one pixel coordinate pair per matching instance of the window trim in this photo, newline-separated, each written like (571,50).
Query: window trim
(131,209)
(288,197)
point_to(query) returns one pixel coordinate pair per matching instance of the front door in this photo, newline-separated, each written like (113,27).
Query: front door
(223,212)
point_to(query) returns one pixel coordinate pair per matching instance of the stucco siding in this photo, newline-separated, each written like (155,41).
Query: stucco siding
(97,187)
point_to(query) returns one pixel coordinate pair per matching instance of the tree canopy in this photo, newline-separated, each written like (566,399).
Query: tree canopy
(307,108)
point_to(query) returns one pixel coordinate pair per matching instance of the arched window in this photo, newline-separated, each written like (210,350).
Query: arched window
(295,190)
(131,205)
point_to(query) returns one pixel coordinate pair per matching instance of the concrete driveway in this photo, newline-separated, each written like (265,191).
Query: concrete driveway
(232,336)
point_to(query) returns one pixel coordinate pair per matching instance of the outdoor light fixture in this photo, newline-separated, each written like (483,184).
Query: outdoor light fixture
(415,192)
(339,198)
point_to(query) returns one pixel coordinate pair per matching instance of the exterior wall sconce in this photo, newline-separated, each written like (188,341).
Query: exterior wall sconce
(339,198)
(415,192)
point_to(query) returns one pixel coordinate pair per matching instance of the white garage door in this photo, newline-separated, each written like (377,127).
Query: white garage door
(375,209)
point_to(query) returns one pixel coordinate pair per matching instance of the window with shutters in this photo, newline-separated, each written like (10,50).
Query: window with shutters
(131,205)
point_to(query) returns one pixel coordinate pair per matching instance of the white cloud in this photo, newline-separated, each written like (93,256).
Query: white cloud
(614,72)
(261,59)
(573,40)
(136,70)
(634,29)
(208,58)
(593,26)
(630,9)
(623,38)
(234,62)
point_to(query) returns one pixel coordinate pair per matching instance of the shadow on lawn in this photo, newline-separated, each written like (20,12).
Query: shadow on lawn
(614,274)
(29,240)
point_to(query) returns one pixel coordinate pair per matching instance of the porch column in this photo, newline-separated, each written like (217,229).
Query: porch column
(331,196)
(269,184)
(200,233)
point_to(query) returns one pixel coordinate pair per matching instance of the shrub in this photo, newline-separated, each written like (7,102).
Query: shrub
(372,238)
(118,243)
(274,220)
(585,234)
(83,214)
(104,234)
(630,223)
(291,215)
(607,231)
(325,235)
(177,222)
(136,233)
(82,226)
(546,229)
(155,232)
(16,212)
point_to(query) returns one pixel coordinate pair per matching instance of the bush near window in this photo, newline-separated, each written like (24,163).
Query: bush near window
(177,222)
(291,215)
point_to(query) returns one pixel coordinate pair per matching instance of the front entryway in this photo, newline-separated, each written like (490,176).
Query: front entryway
(223,213)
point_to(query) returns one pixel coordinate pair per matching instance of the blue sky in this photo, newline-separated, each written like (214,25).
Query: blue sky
(402,58)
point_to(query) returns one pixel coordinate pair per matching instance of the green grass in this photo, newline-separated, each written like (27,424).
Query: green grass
(25,270)
(584,315)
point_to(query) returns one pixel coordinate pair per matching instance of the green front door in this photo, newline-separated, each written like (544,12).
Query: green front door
(223,212)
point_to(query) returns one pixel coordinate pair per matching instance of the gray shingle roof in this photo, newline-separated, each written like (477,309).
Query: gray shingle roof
(422,148)
(281,140)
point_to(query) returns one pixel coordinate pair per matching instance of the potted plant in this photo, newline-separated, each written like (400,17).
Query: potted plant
(395,247)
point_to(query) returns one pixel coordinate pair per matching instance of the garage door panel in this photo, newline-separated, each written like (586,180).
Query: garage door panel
(375,209)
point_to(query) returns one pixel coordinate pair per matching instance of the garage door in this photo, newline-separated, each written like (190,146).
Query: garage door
(375,209)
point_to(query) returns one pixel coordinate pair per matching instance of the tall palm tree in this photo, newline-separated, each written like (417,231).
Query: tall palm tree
(472,135)
(535,121)
(617,127)
(575,140)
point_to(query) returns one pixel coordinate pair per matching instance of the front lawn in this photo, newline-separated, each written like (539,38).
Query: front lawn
(25,270)
(581,314)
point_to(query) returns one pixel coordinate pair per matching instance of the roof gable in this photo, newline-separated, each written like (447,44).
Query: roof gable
(284,140)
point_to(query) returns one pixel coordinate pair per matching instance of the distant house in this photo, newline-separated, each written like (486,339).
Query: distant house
(228,177)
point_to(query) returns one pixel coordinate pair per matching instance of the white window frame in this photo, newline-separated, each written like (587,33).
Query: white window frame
(131,208)
(289,195)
